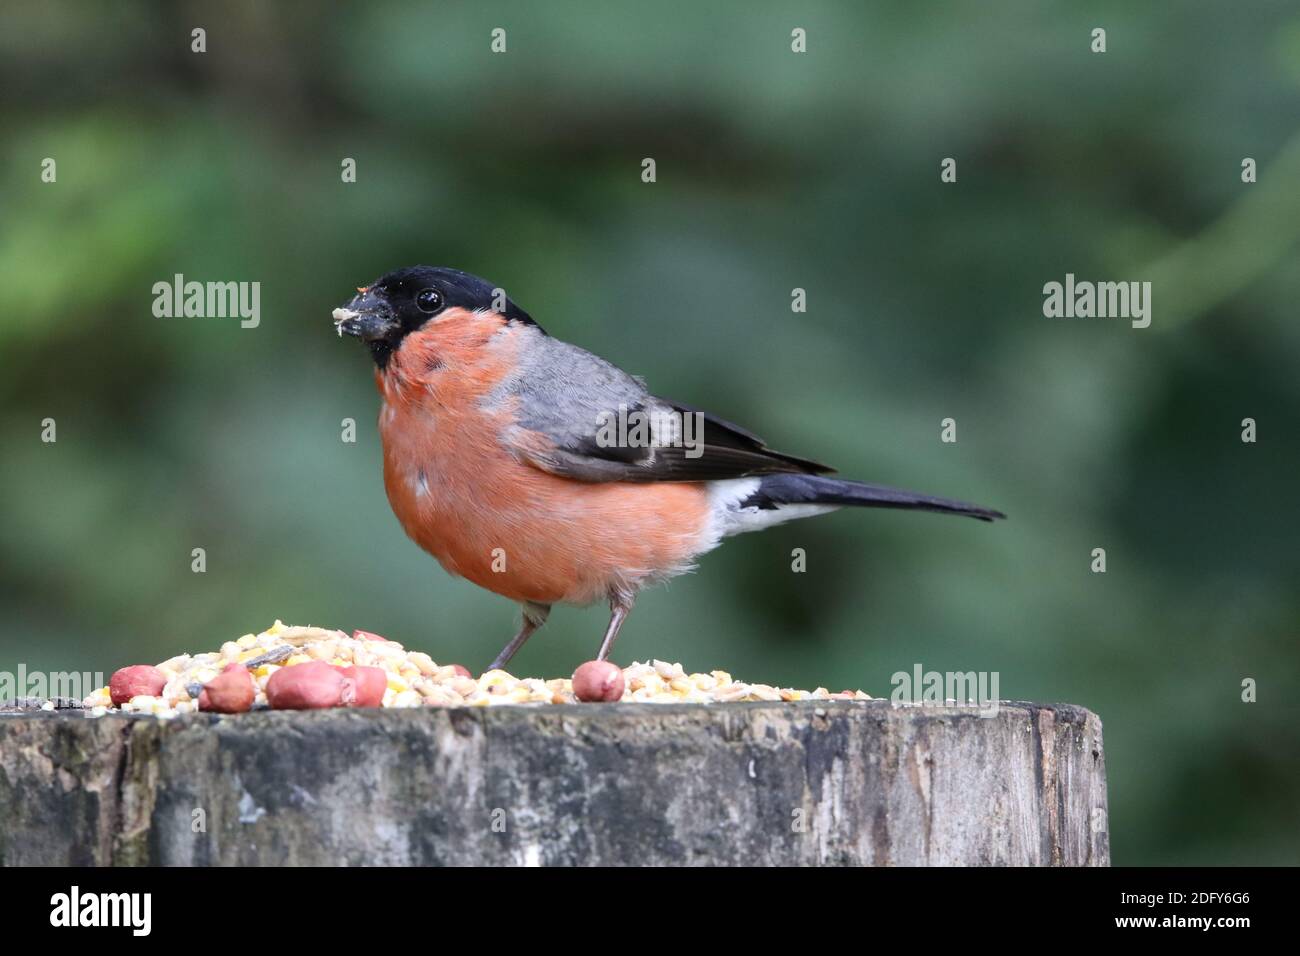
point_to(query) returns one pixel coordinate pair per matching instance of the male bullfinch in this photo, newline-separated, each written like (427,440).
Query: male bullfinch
(524,463)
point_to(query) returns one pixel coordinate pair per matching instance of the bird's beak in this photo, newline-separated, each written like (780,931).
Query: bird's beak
(368,316)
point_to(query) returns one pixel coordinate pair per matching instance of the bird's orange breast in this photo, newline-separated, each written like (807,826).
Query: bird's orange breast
(464,497)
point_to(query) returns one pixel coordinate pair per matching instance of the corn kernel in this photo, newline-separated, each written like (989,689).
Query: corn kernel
(423,663)
(495,677)
(665,670)
(465,686)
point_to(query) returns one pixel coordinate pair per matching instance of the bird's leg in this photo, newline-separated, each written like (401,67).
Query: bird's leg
(620,606)
(534,617)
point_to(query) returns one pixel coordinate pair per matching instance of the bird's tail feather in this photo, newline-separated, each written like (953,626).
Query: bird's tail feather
(790,489)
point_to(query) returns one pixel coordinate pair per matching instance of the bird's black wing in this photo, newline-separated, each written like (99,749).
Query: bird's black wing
(700,447)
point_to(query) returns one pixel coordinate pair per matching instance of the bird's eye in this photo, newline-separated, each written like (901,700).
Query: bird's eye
(428,300)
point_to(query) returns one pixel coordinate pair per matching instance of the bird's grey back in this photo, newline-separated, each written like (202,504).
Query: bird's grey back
(563,390)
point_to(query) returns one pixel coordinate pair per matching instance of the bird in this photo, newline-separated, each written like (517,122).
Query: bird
(545,474)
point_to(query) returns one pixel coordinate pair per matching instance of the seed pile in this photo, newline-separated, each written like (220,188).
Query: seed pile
(362,661)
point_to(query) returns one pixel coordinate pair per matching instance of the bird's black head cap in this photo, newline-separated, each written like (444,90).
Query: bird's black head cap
(394,305)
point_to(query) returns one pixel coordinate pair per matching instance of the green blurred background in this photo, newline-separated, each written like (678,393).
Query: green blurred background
(775,170)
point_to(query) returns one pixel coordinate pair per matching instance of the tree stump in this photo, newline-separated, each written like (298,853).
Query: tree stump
(807,783)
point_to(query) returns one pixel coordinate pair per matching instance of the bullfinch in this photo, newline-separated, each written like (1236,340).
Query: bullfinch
(543,473)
